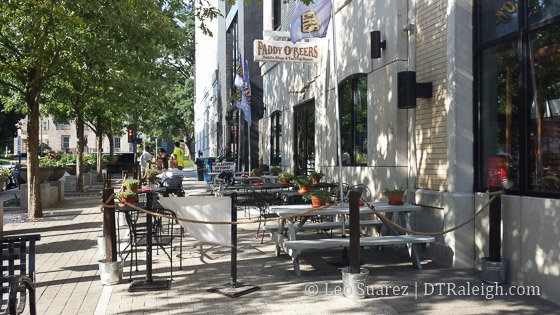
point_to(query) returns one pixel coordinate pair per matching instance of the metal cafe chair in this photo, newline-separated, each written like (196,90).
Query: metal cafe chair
(259,201)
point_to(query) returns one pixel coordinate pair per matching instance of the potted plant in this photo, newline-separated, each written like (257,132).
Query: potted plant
(126,196)
(53,160)
(285,177)
(151,173)
(304,184)
(316,177)
(45,169)
(70,161)
(256,172)
(395,196)
(131,184)
(318,197)
(275,171)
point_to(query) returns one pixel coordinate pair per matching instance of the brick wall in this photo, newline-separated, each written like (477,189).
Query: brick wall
(431,117)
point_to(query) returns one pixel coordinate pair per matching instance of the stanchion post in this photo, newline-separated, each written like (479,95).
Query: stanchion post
(354,213)
(149,278)
(495,231)
(109,228)
(233,281)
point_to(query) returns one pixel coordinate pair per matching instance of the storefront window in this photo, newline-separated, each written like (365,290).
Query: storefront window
(499,116)
(519,98)
(353,113)
(544,127)
(275,138)
(497,18)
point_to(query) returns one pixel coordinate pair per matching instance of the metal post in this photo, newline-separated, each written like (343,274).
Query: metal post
(41,138)
(495,227)
(354,203)
(149,278)
(109,229)
(337,110)
(233,281)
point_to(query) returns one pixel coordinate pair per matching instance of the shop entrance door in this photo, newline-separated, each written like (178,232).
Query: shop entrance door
(304,138)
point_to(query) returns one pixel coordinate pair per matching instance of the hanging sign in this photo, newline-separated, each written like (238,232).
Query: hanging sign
(284,51)
(219,167)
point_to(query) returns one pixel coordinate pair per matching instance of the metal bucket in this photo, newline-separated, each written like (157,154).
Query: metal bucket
(354,285)
(101,247)
(110,272)
(494,271)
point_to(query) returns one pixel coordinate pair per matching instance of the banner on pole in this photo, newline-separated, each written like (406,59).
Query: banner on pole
(310,20)
(282,51)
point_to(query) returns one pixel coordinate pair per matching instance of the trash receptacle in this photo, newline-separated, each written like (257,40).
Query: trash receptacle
(208,168)
(199,169)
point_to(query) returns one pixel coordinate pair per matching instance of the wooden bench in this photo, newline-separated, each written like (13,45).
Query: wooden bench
(295,247)
(325,225)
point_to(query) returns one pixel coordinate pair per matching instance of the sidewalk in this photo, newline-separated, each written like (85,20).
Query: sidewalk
(68,279)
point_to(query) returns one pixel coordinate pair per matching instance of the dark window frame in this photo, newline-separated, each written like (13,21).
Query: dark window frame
(522,34)
(277,14)
(275,137)
(353,81)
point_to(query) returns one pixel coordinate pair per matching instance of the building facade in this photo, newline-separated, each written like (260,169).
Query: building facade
(62,138)
(221,129)
(492,119)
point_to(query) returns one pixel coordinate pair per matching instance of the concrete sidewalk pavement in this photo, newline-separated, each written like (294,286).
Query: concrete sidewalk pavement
(68,279)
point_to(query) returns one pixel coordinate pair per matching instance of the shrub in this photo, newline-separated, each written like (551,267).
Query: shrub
(317,193)
(316,174)
(303,181)
(393,191)
(287,176)
(127,193)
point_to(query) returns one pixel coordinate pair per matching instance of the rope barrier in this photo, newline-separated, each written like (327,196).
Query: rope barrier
(385,219)
(104,204)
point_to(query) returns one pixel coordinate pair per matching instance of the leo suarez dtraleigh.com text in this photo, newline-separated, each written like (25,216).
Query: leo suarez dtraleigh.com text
(488,291)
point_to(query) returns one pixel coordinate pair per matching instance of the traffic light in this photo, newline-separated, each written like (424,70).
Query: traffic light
(130,136)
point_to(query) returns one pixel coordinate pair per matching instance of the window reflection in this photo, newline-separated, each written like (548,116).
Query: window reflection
(353,113)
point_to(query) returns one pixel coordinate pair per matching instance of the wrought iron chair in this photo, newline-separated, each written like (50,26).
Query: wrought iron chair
(259,201)
(16,278)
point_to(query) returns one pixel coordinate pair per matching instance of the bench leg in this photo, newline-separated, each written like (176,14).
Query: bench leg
(414,251)
(295,262)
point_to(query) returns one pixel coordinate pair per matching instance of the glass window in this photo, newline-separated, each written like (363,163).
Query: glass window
(544,98)
(275,138)
(499,116)
(277,15)
(539,10)
(497,18)
(65,142)
(353,113)
(117,142)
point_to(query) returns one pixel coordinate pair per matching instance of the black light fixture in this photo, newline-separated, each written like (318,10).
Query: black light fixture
(376,44)
(408,90)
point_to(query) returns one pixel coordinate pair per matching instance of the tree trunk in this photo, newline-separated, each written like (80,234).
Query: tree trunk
(188,144)
(99,134)
(80,150)
(35,209)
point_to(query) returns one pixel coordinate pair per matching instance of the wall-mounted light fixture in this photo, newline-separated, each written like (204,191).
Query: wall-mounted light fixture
(376,44)
(408,90)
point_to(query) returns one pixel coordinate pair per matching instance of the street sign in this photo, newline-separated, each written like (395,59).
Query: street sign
(19,142)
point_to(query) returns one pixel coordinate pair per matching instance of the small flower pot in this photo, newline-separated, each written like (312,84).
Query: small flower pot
(318,202)
(133,188)
(395,199)
(285,182)
(129,199)
(315,180)
(303,188)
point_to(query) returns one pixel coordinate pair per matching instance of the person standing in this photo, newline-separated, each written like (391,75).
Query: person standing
(162,160)
(179,156)
(145,158)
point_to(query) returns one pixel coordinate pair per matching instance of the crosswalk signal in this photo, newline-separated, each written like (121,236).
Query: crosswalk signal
(130,136)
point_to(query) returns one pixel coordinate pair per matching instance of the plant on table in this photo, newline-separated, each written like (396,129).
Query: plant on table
(318,197)
(256,172)
(131,184)
(316,177)
(304,184)
(275,171)
(285,177)
(395,196)
(126,196)
(151,173)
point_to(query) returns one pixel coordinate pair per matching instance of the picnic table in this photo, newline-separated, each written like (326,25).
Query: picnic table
(293,246)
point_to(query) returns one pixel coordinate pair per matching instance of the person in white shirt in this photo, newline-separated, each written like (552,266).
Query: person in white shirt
(145,158)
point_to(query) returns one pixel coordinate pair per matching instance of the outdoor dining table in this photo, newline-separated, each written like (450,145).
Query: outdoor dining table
(293,246)
(270,178)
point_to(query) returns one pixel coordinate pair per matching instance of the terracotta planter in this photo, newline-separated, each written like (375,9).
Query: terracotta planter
(315,180)
(255,174)
(57,173)
(129,199)
(44,173)
(317,202)
(284,182)
(395,199)
(303,188)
